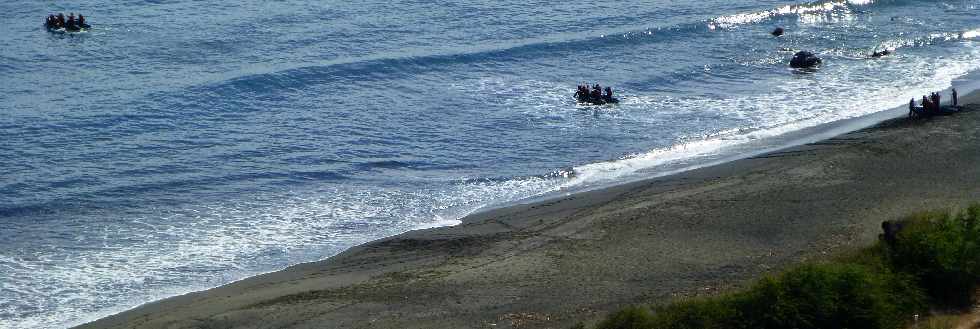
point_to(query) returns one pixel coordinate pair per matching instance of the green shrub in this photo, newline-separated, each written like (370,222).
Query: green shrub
(943,252)
(708,313)
(829,296)
(633,317)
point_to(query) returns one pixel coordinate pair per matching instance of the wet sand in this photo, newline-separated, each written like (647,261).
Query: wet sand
(553,263)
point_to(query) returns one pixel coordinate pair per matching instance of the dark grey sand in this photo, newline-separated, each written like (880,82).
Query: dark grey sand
(554,263)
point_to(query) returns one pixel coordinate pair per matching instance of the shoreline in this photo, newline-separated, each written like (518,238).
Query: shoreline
(969,85)
(370,276)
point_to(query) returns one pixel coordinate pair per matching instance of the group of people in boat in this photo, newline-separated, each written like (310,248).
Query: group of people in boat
(930,105)
(69,24)
(595,95)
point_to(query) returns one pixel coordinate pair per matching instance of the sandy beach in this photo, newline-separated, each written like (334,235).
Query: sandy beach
(555,263)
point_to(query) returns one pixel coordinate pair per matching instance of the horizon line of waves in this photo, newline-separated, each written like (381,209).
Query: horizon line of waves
(387,68)
(74,201)
(357,70)
(801,10)
(370,68)
(418,165)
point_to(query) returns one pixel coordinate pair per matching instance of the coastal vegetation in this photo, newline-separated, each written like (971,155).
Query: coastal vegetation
(926,262)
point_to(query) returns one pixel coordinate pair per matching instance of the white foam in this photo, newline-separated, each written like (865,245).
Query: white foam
(136,260)
(970,34)
(807,13)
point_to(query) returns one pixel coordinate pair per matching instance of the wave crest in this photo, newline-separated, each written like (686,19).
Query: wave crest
(822,7)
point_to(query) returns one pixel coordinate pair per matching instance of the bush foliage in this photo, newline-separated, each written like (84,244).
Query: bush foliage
(935,257)
(942,251)
(811,296)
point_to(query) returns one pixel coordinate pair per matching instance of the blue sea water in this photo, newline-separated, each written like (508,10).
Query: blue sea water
(179,145)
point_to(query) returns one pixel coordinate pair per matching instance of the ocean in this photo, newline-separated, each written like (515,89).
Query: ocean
(180,145)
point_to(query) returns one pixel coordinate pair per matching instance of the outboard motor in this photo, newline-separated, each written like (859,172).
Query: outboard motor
(804,60)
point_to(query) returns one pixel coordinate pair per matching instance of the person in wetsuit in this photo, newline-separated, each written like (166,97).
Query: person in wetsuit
(71,25)
(926,104)
(608,97)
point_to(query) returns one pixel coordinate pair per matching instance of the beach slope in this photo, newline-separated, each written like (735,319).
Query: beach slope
(554,263)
